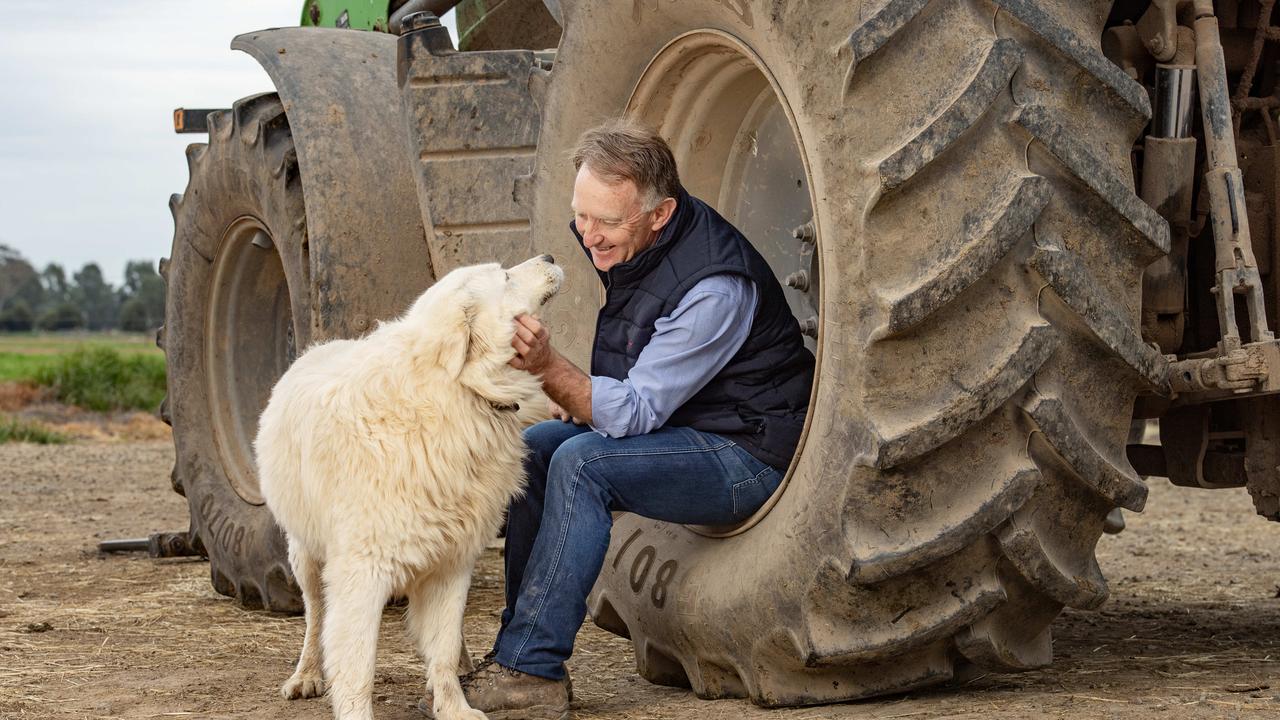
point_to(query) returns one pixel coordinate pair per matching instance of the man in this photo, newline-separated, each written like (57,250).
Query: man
(698,389)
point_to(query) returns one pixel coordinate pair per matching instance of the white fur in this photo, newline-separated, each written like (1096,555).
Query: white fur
(388,461)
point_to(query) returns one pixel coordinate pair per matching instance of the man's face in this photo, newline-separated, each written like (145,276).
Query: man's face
(612,219)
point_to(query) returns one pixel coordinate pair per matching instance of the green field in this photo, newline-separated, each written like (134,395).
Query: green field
(24,355)
(55,343)
(94,371)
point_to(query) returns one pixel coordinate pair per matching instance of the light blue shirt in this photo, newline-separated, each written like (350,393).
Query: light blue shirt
(687,349)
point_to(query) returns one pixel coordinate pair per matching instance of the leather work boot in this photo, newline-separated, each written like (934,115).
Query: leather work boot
(506,694)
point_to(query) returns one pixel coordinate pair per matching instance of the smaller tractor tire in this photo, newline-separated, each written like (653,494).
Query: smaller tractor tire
(236,310)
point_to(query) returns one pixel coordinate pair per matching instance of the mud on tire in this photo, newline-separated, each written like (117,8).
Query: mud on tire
(236,310)
(981,250)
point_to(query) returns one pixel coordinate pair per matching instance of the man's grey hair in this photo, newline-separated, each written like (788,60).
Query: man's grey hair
(623,149)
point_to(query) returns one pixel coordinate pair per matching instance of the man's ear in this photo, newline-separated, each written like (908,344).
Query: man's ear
(663,213)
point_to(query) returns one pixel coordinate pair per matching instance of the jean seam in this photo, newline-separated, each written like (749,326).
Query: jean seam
(733,491)
(736,488)
(555,565)
(665,451)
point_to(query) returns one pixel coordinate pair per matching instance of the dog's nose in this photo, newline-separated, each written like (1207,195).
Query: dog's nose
(548,259)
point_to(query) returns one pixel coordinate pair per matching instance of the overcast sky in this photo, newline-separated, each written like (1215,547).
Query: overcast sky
(88,156)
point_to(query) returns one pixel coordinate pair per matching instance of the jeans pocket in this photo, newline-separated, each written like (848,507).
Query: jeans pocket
(749,495)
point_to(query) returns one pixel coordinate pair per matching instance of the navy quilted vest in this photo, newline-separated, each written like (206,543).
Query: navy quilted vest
(760,398)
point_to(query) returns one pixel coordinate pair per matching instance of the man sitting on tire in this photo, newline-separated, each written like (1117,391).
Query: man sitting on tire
(698,390)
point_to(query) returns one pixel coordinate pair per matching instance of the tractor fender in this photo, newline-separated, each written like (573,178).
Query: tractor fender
(368,257)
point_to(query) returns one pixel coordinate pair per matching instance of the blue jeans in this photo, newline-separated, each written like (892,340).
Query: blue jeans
(558,532)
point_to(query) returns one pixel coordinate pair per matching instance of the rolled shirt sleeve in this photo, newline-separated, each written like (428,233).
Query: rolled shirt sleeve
(687,349)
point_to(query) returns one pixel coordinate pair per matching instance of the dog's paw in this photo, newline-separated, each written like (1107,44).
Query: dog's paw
(302,685)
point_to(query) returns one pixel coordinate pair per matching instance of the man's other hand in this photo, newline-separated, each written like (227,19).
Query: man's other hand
(532,342)
(560,413)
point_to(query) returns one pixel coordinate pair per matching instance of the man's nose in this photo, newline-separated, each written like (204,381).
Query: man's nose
(591,228)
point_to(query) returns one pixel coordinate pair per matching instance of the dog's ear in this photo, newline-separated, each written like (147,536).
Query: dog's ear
(451,332)
(478,342)
(457,319)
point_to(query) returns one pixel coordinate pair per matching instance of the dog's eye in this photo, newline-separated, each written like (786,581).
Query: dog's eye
(506,276)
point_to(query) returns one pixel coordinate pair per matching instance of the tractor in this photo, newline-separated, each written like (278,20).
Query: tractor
(1017,234)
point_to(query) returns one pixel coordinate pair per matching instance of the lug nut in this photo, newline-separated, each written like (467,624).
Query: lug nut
(803,233)
(798,280)
(809,326)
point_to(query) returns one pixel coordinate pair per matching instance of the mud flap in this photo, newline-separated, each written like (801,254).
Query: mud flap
(368,260)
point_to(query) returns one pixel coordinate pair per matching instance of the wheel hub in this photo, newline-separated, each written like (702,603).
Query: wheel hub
(735,142)
(249,343)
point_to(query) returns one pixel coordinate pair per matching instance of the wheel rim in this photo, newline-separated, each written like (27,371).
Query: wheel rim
(249,343)
(736,143)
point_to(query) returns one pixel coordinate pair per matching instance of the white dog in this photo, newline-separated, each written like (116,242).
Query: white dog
(388,461)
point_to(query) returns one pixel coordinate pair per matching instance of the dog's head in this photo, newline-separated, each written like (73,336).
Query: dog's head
(468,316)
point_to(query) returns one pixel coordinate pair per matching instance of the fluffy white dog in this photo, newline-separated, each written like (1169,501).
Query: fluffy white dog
(388,461)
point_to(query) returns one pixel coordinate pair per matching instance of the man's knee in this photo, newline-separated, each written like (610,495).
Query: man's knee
(574,453)
(543,439)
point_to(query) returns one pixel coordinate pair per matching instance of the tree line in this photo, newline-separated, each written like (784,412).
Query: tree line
(48,300)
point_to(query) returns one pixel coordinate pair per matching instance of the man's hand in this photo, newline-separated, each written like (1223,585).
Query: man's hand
(564,383)
(532,342)
(560,413)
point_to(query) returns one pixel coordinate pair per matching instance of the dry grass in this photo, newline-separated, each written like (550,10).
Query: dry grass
(32,404)
(13,429)
(18,395)
(118,427)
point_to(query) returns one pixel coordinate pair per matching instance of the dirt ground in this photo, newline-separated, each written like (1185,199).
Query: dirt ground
(1192,628)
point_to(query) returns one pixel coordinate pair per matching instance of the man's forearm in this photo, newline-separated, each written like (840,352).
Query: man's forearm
(568,386)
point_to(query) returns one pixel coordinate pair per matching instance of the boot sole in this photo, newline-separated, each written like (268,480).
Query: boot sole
(535,712)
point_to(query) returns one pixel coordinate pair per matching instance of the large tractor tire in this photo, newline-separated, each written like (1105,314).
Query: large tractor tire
(237,311)
(979,251)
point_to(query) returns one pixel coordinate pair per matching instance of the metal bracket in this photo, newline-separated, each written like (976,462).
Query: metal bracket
(1158,28)
(1252,369)
(158,545)
(1235,369)
(188,120)
(1237,270)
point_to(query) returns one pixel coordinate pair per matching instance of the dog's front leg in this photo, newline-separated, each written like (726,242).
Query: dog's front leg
(308,679)
(436,608)
(354,597)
